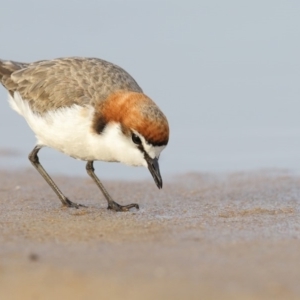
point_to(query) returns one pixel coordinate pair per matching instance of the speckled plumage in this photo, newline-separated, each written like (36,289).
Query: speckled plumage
(62,82)
(89,109)
(50,85)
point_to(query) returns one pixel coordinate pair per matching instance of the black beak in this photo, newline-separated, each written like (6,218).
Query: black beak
(154,170)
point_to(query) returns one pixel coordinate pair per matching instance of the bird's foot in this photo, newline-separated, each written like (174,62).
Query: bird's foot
(117,207)
(69,203)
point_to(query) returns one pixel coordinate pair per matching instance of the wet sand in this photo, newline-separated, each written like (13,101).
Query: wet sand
(204,236)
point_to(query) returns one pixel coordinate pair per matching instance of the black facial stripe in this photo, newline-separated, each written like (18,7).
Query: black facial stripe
(146,155)
(157,144)
(100,124)
(141,148)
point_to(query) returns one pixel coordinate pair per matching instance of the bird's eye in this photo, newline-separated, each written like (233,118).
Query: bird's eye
(136,139)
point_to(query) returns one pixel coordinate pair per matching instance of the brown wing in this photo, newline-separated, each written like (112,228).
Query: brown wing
(6,69)
(53,84)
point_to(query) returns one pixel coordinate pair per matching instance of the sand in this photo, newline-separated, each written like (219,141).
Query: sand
(204,236)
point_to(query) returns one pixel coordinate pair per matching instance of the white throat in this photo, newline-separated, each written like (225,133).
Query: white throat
(120,147)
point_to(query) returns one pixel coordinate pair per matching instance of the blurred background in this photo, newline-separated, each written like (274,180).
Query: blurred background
(226,74)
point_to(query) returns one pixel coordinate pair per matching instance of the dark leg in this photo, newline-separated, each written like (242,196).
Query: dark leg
(111,203)
(33,157)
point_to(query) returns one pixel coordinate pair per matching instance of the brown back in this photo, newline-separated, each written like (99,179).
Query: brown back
(53,84)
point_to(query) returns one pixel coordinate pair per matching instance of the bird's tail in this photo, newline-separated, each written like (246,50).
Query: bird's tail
(7,67)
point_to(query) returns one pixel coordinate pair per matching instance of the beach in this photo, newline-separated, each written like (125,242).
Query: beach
(203,236)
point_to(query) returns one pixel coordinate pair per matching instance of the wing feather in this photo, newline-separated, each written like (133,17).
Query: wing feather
(48,85)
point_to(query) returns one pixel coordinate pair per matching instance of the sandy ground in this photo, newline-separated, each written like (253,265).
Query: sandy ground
(203,236)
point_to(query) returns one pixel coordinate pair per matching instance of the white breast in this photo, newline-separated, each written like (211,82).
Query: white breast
(68,130)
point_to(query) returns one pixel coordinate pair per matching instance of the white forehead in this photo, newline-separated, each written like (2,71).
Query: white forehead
(153,151)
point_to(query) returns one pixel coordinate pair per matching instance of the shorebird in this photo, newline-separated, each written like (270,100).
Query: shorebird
(89,109)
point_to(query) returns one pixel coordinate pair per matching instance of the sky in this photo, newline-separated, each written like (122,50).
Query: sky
(225,73)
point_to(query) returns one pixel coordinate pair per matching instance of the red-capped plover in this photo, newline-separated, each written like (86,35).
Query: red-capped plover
(89,109)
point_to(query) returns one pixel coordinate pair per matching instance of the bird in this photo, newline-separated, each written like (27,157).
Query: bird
(89,109)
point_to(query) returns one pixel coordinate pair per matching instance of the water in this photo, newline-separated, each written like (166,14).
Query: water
(225,74)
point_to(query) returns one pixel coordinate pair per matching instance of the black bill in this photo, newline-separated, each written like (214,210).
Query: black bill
(154,170)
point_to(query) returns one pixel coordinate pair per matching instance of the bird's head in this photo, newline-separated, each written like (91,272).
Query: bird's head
(135,128)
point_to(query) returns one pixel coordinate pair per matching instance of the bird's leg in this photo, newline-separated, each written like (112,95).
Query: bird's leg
(111,203)
(33,157)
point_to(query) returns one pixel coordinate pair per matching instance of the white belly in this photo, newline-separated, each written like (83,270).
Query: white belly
(69,130)
(66,130)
